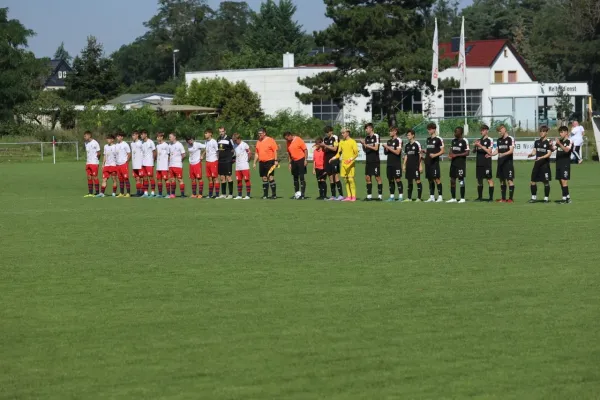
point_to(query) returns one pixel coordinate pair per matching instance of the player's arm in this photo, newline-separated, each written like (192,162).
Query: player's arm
(442,151)
(331,148)
(396,152)
(276,158)
(404,162)
(547,155)
(128,152)
(532,154)
(255,156)
(564,148)
(354,152)
(305,156)
(337,155)
(476,145)
(374,147)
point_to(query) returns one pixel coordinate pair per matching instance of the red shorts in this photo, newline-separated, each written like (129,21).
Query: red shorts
(138,173)
(123,171)
(212,169)
(243,175)
(162,175)
(148,171)
(175,172)
(91,169)
(196,171)
(107,172)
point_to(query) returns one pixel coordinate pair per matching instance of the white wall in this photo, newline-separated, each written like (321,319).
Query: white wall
(509,63)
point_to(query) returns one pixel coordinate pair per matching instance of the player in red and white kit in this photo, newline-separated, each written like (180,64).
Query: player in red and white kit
(136,162)
(195,157)
(212,164)
(148,157)
(123,157)
(242,166)
(162,164)
(176,156)
(109,165)
(92,150)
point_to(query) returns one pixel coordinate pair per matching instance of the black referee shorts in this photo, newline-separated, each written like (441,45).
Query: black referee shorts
(264,167)
(298,167)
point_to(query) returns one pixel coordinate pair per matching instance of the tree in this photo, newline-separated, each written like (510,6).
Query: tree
(263,48)
(490,19)
(563,106)
(93,76)
(234,100)
(47,108)
(20,72)
(381,44)
(448,18)
(62,54)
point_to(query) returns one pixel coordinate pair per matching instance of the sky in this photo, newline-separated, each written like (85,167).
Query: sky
(114,22)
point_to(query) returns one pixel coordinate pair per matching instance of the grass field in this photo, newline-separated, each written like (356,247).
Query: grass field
(201,299)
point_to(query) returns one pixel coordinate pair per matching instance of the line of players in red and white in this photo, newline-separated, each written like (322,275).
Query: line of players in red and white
(144,155)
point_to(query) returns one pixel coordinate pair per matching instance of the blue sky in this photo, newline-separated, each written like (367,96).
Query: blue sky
(113,22)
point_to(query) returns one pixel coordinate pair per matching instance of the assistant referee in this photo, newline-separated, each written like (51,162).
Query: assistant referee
(266,156)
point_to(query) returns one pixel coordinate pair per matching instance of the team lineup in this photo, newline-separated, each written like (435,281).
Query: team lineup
(334,161)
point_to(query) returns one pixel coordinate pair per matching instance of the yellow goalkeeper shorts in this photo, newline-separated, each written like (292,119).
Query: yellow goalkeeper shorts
(347,170)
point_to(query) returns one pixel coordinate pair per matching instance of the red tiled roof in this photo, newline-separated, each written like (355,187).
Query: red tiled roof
(483,53)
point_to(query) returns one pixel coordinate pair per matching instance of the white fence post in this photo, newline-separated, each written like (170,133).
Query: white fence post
(42,150)
(77,150)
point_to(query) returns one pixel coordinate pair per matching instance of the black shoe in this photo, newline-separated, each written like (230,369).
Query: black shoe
(532,201)
(302,198)
(319,198)
(378,199)
(367,199)
(183,196)
(479,200)
(265,197)
(546,201)
(273,197)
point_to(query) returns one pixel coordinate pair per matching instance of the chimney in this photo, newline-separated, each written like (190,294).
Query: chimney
(455,44)
(288,60)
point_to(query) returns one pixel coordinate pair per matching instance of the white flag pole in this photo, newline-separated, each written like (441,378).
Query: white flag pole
(434,65)
(462,62)
(53,150)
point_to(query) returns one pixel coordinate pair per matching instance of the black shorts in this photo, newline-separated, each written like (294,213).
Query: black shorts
(412,173)
(563,172)
(225,169)
(432,171)
(372,169)
(320,173)
(541,172)
(264,167)
(483,172)
(298,167)
(332,168)
(394,172)
(506,171)
(458,171)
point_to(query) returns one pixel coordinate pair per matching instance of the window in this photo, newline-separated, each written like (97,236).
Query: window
(498,76)
(62,74)
(505,53)
(454,102)
(325,110)
(512,76)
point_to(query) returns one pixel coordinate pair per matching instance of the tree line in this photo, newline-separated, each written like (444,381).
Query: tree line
(387,40)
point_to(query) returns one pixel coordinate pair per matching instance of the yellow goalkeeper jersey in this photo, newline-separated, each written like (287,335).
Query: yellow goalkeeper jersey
(347,149)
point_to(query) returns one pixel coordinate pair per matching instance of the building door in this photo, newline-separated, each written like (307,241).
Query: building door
(525,110)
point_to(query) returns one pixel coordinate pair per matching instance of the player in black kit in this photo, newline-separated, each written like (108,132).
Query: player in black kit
(506,170)
(459,151)
(542,150)
(330,145)
(564,147)
(226,153)
(412,166)
(393,150)
(484,148)
(435,148)
(370,146)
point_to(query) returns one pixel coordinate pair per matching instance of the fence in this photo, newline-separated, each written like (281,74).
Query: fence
(14,151)
(446,125)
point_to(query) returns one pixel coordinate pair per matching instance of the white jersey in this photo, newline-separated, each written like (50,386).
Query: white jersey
(92,148)
(241,157)
(122,151)
(110,155)
(136,154)
(195,152)
(577,135)
(176,153)
(162,157)
(212,150)
(148,148)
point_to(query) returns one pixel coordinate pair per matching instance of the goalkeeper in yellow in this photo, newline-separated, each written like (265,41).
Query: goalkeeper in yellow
(347,151)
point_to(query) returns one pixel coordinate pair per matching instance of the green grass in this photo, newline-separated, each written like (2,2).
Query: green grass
(200,299)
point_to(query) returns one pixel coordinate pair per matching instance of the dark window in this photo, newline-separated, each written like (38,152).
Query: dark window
(326,110)
(454,102)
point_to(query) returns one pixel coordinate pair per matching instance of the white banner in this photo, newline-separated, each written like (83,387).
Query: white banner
(523,148)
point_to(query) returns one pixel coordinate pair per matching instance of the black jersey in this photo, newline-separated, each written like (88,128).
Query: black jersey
(434,146)
(413,154)
(330,141)
(372,155)
(482,160)
(504,145)
(459,146)
(225,149)
(542,147)
(393,159)
(563,157)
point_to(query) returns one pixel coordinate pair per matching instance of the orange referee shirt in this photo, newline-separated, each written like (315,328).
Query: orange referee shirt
(266,149)
(296,148)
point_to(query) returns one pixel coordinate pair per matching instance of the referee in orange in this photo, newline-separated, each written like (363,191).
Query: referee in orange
(266,156)
(298,158)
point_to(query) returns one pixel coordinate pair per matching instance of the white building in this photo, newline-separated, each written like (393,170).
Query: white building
(499,83)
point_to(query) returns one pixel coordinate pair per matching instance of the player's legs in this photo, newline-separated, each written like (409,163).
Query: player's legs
(302,177)
(273,186)
(400,187)
(181,186)
(391,182)
(453,189)
(90,182)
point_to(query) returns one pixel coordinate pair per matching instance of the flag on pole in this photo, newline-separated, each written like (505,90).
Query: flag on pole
(434,67)
(462,56)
